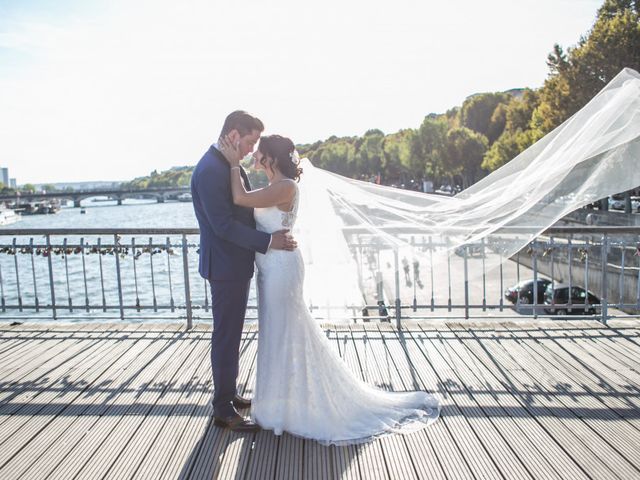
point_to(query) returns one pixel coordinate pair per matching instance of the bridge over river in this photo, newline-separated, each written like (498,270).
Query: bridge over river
(160,194)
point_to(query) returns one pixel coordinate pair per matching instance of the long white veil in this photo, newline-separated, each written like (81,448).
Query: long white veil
(344,224)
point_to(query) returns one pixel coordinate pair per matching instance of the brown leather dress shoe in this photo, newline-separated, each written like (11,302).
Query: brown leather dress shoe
(237,423)
(241,402)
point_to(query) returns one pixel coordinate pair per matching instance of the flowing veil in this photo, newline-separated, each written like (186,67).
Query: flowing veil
(344,223)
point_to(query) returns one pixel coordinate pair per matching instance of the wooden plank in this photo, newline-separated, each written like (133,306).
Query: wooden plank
(234,461)
(198,440)
(11,340)
(263,461)
(25,363)
(583,444)
(66,431)
(502,436)
(345,457)
(369,455)
(33,416)
(290,457)
(161,395)
(513,400)
(595,387)
(37,375)
(601,435)
(206,456)
(441,436)
(382,372)
(181,404)
(613,341)
(118,381)
(619,367)
(393,342)
(318,461)
(530,440)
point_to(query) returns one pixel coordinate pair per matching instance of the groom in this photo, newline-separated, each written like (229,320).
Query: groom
(228,242)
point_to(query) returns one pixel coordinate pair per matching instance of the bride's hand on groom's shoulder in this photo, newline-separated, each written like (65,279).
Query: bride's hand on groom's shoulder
(283,240)
(230,151)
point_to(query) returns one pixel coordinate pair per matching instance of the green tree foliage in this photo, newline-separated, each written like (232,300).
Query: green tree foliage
(485,113)
(174,177)
(465,151)
(428,147)
(578,74)
(517,134)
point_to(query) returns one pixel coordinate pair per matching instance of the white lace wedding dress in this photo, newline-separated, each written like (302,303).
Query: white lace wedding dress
(302,386)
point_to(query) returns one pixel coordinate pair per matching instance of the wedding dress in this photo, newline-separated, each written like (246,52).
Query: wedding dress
(303,387)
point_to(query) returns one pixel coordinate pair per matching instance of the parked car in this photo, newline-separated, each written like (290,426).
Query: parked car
(616,202)
(525,288)
(558,294)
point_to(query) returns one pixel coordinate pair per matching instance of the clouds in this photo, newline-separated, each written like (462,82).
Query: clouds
(111,92)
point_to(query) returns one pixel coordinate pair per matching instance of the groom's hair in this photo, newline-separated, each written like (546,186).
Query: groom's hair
(242,122)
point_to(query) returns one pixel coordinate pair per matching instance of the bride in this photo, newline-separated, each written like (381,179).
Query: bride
(302,386)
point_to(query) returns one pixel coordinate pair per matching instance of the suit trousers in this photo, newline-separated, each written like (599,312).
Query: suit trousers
(229,305)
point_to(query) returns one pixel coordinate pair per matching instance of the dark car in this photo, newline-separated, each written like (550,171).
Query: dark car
(559,295)
(525,288)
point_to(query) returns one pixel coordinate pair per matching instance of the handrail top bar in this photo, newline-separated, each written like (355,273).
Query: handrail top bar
(98,231)
(196,231)
(505,230)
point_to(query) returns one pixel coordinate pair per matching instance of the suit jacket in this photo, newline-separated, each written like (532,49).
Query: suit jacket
(228,238)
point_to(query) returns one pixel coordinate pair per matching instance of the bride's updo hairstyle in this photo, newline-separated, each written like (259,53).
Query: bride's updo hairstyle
(279,152)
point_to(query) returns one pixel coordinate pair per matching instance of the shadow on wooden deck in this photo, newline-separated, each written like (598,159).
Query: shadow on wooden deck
(520,400)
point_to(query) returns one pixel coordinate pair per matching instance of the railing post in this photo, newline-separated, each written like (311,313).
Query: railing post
(604,264)
(52,288)
(116,245)
(535,281)
(397,281)
(33,272)
(187,289)
(466,283)
(15,259)
(433,300)
(2,299)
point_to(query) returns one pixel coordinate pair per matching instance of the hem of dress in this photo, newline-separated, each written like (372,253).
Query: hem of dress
(417,422)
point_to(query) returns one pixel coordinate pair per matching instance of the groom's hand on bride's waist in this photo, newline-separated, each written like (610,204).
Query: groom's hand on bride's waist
(282,240)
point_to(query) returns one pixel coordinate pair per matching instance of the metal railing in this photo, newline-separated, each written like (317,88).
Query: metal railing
(152,273)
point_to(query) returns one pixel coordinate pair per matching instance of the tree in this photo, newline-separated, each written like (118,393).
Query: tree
(28,187)
(507,147)
(428,148)
(477,113)
(396,150)
(577,75)
(368,156)
(465,151)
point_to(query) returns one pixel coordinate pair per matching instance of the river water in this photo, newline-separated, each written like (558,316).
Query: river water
(25,277)
(106,214)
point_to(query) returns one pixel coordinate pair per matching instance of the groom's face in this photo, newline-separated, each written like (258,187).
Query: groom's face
(247,143)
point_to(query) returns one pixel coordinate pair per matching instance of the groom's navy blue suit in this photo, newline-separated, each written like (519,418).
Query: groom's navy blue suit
(228,242)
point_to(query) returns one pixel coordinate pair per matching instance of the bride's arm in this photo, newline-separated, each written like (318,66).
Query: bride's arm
(278,193)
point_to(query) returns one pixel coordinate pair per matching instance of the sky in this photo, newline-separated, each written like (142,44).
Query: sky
(94,90)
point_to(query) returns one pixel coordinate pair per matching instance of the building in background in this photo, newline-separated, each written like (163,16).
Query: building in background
(4,176)
(13,183)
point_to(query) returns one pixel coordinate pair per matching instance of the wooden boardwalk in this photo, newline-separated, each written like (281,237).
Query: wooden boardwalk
(548,400)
